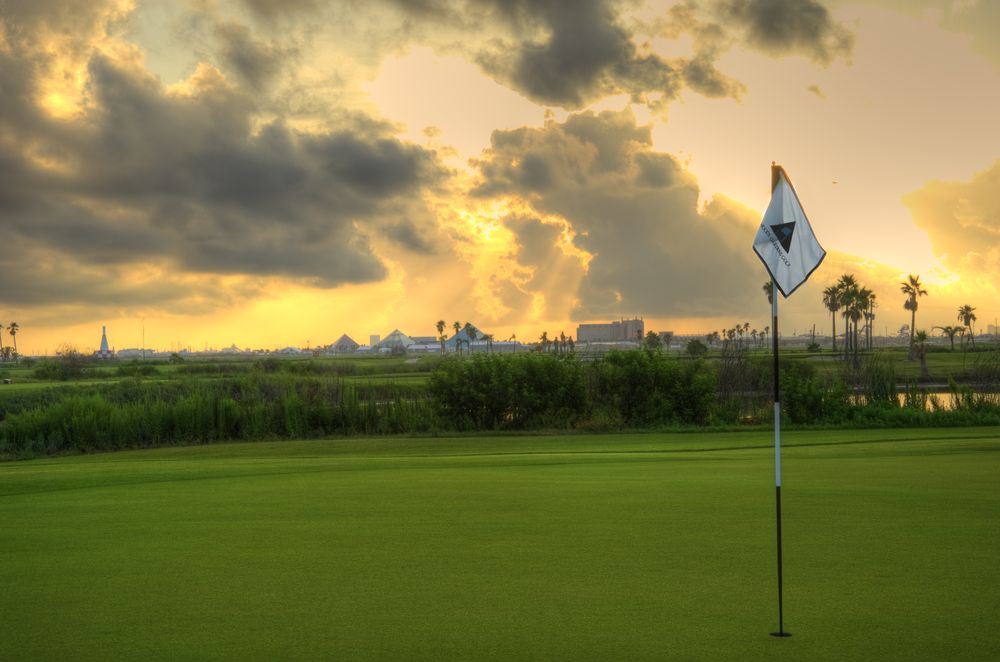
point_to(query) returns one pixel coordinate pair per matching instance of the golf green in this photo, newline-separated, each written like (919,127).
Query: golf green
(613,547)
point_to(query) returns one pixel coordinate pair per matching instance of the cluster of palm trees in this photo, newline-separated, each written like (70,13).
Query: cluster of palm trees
(470,334)
(739,334)
(967,316)
(8,353)
(558,344)
(855,303)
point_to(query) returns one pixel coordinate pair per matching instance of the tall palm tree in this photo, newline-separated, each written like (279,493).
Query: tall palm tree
(470,335)
(966,315)
(440,327)
(920,350)
(768,288)
(847,292)
(14,327)
(458,342)
(913,290)
(860,312)
(870,317)
(1,339)
(831,299)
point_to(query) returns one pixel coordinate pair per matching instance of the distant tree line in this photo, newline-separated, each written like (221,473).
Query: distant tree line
(621,390)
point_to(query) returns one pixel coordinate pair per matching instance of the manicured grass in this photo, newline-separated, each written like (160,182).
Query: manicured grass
(523,547)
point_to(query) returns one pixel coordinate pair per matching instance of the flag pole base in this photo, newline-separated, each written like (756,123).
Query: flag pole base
(781,634)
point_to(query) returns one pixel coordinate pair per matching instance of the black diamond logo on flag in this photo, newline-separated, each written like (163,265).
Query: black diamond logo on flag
(784,232)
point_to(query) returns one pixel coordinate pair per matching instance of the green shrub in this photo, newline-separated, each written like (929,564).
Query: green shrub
(519,391)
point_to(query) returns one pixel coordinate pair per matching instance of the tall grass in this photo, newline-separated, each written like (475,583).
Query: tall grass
(637,389)
(254,407)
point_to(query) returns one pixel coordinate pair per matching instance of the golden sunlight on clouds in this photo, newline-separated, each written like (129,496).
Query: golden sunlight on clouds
(328,168)
(66,52)
(894,118)
(490,249)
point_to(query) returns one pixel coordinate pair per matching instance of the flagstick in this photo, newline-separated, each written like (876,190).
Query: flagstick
(777,453)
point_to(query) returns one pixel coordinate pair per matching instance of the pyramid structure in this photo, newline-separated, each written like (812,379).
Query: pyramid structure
(396,339)
(345,344)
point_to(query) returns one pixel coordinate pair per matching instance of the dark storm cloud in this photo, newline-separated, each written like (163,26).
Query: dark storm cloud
(635,211)
(271,9)
(406,234)
(185,179)
(775,27)
(536,239)
(571,54)
(585,54)
(254,61)
(781,27)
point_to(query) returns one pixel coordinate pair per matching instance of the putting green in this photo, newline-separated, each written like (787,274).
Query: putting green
(596,547)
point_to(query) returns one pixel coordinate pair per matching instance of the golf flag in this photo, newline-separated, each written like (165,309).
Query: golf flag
(785,242)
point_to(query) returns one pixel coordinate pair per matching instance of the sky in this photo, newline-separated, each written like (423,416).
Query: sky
(265,173)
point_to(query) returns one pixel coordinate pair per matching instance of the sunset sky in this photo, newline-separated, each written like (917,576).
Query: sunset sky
(279,172)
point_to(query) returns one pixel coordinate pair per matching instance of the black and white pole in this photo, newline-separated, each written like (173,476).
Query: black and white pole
(777,454)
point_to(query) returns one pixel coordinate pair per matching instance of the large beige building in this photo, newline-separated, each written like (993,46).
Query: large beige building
(624,329)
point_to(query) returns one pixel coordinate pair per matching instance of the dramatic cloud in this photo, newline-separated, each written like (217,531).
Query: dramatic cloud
(565,54)
(775,27)
(581,53)
(781,27)
(632,210)
(962,221)
(189,177)
(254,61)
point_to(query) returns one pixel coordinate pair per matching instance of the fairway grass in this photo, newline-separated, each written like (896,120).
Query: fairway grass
(611,547)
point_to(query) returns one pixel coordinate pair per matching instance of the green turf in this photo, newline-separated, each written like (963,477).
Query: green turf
(595,547)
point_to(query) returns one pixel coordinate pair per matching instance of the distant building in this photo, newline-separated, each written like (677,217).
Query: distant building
(345,344)
(395,340)
(466,339)
(104,352)
(622,330)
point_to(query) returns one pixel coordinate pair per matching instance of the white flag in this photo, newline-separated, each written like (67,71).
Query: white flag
(785,242)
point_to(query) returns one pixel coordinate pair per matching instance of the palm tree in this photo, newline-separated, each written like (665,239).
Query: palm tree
(458,343)
(544,340)
(860,312)
(14,327)
(966,315)
(470,335)
(847,292)
(1,340)
(951,331)
(831,299)
(440,327)
(913,290)
(870,317)
(920,350)
(768,288)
